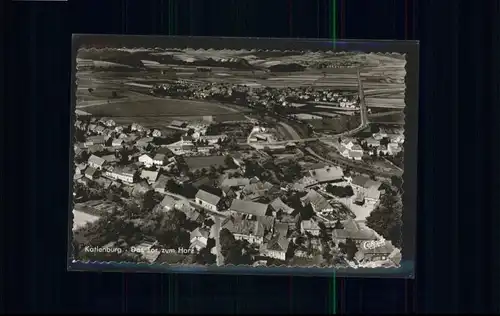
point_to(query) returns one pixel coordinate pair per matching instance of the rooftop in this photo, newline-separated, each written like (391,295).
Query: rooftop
(249,207)
(207,197)
(96,160)
(327,174)
(316,200)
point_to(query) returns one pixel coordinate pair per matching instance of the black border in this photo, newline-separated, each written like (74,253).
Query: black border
(410,202)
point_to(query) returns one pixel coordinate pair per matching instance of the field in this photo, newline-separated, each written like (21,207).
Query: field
(160,107)
(335,125)
(393,117)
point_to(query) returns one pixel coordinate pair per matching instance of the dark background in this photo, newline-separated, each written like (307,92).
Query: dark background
(458,266)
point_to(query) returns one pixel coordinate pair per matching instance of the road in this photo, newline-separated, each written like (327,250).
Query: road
(219,257)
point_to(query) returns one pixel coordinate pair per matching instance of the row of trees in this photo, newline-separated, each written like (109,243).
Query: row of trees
(340,191)
(386,218)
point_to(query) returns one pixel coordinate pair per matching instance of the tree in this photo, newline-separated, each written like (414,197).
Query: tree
(306,212)
(349,248)
(150,200)
(171,234)
(227,241)
(386,218)
(113,197)
(114,94)
(173,187)
(327,253)
(229,162)
(397,182)
(205,257)
(338,225)
(90,90)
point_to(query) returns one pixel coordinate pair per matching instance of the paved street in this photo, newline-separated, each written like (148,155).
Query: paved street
(220,259)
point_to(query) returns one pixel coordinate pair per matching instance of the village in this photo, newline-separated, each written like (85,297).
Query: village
(202,192)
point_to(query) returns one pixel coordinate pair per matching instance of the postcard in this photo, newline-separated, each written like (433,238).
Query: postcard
(243,156)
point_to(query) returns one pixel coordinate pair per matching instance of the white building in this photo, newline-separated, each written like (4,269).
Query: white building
(146,160)
(125,175)
(96,162)
(207,200)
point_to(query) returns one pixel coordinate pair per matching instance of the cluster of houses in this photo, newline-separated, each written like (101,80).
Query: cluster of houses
(254,210)
(379,144)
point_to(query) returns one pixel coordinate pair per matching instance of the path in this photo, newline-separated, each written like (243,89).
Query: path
(219,257)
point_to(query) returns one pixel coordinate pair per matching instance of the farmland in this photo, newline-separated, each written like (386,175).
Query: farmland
(155,107)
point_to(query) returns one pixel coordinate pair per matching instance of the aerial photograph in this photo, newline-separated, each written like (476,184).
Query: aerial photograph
(199,157)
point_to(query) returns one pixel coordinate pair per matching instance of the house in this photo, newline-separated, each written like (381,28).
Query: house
(372,142)
(290,220)
(382,251)
(146,160)
(204,149)
(95,148)
(156,133)
(229,193)
(168,203)
(327,174)
(235,182)
(130,139)
(317,201)
(368,187)
(257,189)
(80,168)
(304,183)
(180,147)
(243,229)
(199,238)
(103,182)
(310,226)
(205,162)
(159,159)
(91,173)
(208,200)
(212,139)
(277,248)
(398,138)
(123,174)
(348,143)
(279,206)
(117,142)
(149,176)
(393,148)
(160,184)
(355,152)
(96,162)
(148,251)
(248,209)
(352,230)
(95,140)
(281,229)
